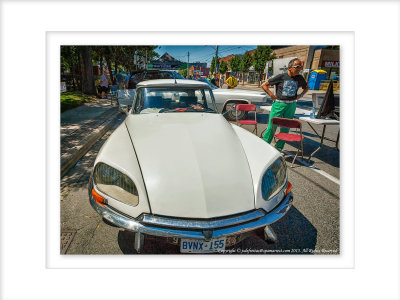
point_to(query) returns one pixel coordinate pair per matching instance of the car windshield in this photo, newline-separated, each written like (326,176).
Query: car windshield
(209,83)
(174,99)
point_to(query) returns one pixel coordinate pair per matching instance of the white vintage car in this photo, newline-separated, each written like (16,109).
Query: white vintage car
(227,99)
(177,169)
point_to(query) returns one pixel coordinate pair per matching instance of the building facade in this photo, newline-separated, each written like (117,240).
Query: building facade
(313,57)
(166,62)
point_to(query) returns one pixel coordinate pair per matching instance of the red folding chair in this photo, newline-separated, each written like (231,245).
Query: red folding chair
(289,137)
(247,107)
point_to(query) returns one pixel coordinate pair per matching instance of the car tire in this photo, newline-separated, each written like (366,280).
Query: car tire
(231,112)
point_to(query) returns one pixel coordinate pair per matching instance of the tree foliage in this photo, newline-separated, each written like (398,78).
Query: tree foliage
(69,58)
(124,57)
(261,56)
(183,72)
(235,63)
(245,63)
(223,67)
(183,67)
(213,67)
(112,58)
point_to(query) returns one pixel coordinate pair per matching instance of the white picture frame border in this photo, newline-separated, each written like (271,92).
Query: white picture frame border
(346,258)
(24,273)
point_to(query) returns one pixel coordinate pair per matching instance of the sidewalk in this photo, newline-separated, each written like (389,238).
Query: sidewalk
(81,127)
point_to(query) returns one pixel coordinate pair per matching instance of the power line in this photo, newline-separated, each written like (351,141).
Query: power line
(206,55)
(209,56)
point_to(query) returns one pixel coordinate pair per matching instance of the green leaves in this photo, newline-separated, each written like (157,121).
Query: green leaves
(213,65)
(235,63)
(223,67)
(246,62)
(261,56)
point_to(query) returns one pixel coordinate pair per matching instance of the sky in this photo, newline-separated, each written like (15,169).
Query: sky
(202,53)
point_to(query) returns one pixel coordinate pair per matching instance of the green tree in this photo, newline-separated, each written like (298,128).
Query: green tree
(260,58)
(223,67)
(235,63)
(245,64)
(183,72)
(70,64)
(147,53)
(183,67)
(213,68)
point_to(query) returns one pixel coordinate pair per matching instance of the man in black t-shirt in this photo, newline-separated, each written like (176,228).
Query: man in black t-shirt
(284,105)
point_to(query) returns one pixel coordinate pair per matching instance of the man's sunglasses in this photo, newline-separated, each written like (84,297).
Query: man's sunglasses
(297,67)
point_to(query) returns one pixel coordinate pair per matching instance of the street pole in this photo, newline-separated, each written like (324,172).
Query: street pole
(216,62)
(216,59)
(187,67)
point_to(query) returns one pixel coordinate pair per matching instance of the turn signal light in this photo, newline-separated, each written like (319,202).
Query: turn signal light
(288,189)
(99,199)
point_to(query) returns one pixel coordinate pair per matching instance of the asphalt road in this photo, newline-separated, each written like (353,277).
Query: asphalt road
(310,227)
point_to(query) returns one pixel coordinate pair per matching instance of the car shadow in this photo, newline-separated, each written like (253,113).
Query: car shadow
(152,245)
(327,155)
(296,235)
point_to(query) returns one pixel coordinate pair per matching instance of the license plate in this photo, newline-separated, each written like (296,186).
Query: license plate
(201,246)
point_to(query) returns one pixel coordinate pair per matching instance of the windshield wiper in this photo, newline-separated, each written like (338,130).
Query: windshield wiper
(186,109)
(168,110)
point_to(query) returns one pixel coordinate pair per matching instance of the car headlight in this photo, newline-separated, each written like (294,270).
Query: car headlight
(115,184)
(274,179)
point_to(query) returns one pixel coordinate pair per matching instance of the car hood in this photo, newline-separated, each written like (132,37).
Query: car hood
(193,164)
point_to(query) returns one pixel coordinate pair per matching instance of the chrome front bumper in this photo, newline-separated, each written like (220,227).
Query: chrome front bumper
(193,229)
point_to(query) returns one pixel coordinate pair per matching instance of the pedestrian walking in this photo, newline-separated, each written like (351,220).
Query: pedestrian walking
(120,80)
(284,106)
(232,81)
(126,79)
(103,85)
(213,81)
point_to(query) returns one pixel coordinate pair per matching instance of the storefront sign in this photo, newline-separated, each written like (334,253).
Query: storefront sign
(157,66)
(330,64)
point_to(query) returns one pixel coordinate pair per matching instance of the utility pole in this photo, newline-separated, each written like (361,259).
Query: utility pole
(187,67)
(216,59)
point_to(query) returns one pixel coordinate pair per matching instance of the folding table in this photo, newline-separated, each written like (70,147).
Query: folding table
(324,122)
(306,118)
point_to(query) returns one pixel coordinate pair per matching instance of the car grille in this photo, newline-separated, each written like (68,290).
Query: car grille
(203,224)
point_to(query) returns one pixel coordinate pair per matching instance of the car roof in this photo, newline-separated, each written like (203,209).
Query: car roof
(172,82)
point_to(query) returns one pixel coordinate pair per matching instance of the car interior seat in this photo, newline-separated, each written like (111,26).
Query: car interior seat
(166,102)
(153,102)
(189,100)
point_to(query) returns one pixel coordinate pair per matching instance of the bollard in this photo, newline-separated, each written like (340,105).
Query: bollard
(139,241)
(270,235)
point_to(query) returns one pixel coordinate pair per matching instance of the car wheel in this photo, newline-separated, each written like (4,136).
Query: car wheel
(231,112)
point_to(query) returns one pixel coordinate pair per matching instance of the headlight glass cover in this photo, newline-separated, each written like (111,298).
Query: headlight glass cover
(273,179)
(115,184)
